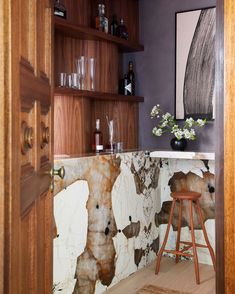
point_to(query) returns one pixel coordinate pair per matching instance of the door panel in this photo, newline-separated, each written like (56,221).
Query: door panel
(36,158)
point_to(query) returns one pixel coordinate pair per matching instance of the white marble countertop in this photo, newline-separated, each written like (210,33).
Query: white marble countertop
(183,155)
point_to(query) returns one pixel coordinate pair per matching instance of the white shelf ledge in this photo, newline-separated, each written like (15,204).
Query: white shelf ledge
(183,155)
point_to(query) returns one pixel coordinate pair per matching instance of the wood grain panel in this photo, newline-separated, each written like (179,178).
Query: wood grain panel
(86,33)
(33,87)
(229,146)
(28,254)
(43,38)
(28,30)
(125,116)
(72,129)
(106,56)
(78,11)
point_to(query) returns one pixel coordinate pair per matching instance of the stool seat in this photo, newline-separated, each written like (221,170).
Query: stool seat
(193,201)
(189,195)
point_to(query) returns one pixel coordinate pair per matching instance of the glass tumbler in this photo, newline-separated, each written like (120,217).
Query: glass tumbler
(62,79)
(83,71)
(92,73)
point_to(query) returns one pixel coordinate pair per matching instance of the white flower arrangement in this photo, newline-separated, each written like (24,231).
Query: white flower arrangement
(167,123)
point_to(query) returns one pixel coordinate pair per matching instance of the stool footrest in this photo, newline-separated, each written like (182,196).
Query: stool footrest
(178,253)
(191,244)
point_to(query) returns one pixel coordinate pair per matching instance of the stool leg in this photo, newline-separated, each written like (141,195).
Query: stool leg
(194,242)
(179,231)
(166,237)
(205,234)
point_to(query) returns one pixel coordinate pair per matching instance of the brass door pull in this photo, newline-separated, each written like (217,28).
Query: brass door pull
(58,172)
(44,135)
(26,137)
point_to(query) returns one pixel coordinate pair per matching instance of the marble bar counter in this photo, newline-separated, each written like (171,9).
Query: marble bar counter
(111,213)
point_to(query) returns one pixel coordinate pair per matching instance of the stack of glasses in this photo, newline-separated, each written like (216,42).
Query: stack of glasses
(78,79)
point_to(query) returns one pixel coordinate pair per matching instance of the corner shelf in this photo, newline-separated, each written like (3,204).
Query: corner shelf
(86,33)
(97,95)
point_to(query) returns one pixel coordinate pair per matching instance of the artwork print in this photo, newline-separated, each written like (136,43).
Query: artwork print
(195,64)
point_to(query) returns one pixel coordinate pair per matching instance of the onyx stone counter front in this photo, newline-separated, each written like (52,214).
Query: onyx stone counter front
(111,211)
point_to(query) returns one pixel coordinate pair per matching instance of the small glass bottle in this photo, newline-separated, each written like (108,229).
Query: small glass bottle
(114,25)
(105,21)
(99,19)
(59,9)
(97,138)
(122,30)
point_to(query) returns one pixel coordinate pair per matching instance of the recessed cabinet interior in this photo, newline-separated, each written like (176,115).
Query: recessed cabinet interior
(76,110)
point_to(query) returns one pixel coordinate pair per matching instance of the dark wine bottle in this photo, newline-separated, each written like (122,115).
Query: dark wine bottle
(131,77)
(114,25)
(97,138)
(122,30)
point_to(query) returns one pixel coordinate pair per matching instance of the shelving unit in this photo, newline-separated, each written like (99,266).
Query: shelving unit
(77,110)
(86,33)
(97,95)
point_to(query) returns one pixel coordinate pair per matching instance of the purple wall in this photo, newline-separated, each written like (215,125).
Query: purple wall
(155,69)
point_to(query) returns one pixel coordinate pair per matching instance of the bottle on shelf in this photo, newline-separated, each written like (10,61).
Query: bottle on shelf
(97,145)
(106,21)
(59,9)
(127,84)
(131,77)
(101,21)
(122,30)
(114,25)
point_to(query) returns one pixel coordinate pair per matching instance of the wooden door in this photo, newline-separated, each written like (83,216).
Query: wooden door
(28,149)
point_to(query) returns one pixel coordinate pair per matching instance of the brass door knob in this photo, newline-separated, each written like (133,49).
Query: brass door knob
(58,172)
(26,137)
(44,135)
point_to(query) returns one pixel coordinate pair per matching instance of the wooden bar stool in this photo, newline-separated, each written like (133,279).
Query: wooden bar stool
(190,197)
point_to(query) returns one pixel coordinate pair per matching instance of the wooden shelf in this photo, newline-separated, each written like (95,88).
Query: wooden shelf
(82,32)
(97,95)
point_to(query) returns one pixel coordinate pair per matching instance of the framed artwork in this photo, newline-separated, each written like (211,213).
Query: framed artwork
(195,64)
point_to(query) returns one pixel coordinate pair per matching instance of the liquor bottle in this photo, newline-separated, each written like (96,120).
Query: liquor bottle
(114,25)
(125,86)
(122,30)
(131,77)
(99,19)
(97,138)
(59,9)
(105,21)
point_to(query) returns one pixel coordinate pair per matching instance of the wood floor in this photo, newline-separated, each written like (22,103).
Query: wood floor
(174,276)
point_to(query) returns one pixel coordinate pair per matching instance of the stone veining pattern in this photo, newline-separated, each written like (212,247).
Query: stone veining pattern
(193,175)
(112,216)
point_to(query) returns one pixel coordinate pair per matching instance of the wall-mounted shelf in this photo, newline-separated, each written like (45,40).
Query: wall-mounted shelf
(85,33)
(97,95)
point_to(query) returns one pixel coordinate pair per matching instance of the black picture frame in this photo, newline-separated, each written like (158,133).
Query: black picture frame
(195,63)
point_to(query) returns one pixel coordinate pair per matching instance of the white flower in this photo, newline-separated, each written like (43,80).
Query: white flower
(166,116)
(178,134)
(157,132)
(164,124)
(155,111)
(189,122)
(174,128)
(201,122)
(187,134)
